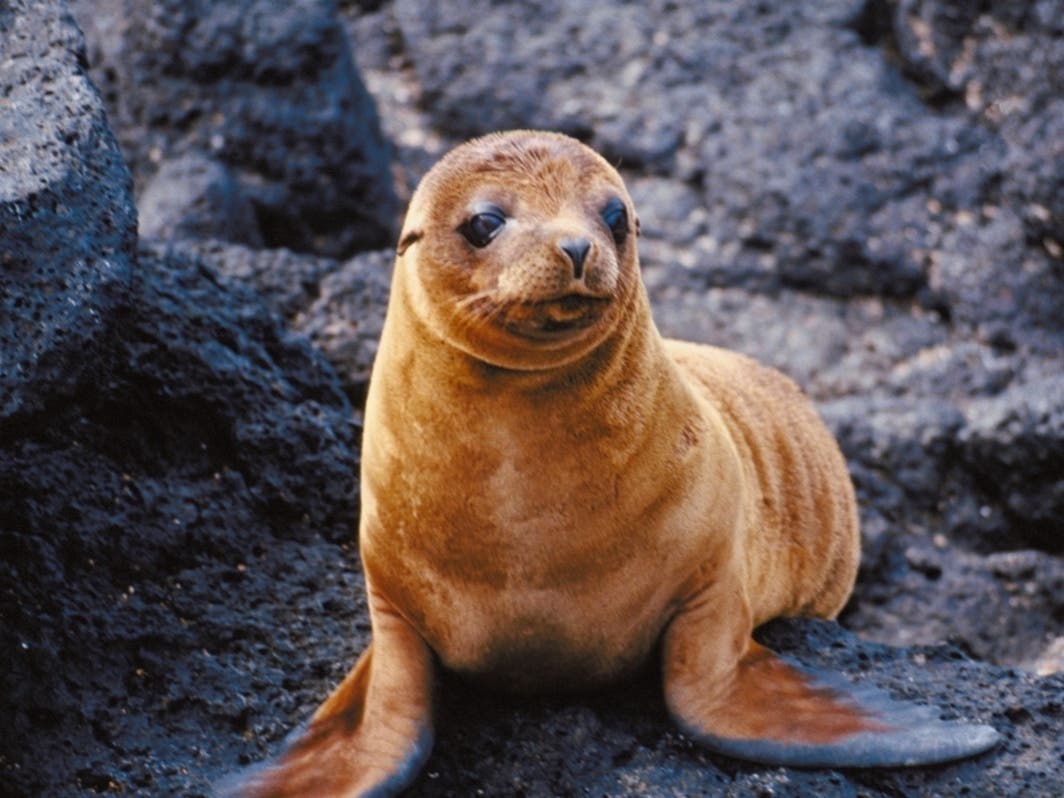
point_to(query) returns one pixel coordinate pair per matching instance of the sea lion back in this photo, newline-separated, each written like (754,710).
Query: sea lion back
(800,512)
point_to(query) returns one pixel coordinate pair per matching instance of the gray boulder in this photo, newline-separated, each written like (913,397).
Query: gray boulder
(164,440)
(67,222)
(269,90)
(346,319)
(194,197)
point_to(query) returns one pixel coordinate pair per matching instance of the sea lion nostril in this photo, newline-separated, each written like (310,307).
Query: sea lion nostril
(576,249)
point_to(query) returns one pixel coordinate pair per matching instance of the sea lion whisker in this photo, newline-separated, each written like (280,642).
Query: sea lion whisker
(479,309)
(475,299)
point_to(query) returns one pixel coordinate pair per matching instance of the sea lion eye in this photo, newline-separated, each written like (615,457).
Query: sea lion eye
(615,215)
(480,228)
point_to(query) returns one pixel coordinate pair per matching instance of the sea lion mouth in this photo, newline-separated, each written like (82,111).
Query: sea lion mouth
(550,319)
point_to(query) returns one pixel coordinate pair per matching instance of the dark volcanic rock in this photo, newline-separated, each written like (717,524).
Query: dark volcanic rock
(288,281)
(67,222)
(346,319)
(339,306)
(1003,607)
(204,450)
(196,197)
(174,445)
(950,492)
(868,189)
(267,89)
(1013,445)
(579,68)
(1004,64)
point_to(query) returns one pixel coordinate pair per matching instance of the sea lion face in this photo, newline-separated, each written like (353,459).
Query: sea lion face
(519,249)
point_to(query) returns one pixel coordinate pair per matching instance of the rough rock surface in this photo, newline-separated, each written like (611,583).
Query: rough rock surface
(195,197)
(269,90)
(339,306)
(59,169)
(864,193)
(346,319)
(150,525)
(173,443)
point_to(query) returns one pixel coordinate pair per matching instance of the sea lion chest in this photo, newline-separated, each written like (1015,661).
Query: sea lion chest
(528,544)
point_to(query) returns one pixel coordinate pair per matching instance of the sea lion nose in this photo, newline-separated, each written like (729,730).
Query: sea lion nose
(576,249)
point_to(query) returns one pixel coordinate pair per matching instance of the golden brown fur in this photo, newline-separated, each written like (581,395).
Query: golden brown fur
(602,478)
(549,488)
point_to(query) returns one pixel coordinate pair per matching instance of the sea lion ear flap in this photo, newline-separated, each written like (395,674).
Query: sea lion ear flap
(637,227)
(412,237)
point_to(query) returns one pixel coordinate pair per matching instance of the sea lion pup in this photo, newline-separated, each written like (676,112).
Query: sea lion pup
(549,489)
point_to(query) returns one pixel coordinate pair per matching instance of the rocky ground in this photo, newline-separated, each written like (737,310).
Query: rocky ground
(195,200)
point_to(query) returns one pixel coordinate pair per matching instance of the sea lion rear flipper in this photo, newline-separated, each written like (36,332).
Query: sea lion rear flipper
(769,711)
(369,737)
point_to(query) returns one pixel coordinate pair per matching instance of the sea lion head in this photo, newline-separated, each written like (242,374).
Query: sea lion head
(519,249)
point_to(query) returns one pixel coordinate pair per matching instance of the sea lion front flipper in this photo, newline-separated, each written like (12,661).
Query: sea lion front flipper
(370,736)
(779,714)
(765,710)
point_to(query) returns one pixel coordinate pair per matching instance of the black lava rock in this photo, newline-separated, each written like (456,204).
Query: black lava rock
(195,197)
(864,193)
(269,90)
(203,442)
(175,442)
(67,221)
